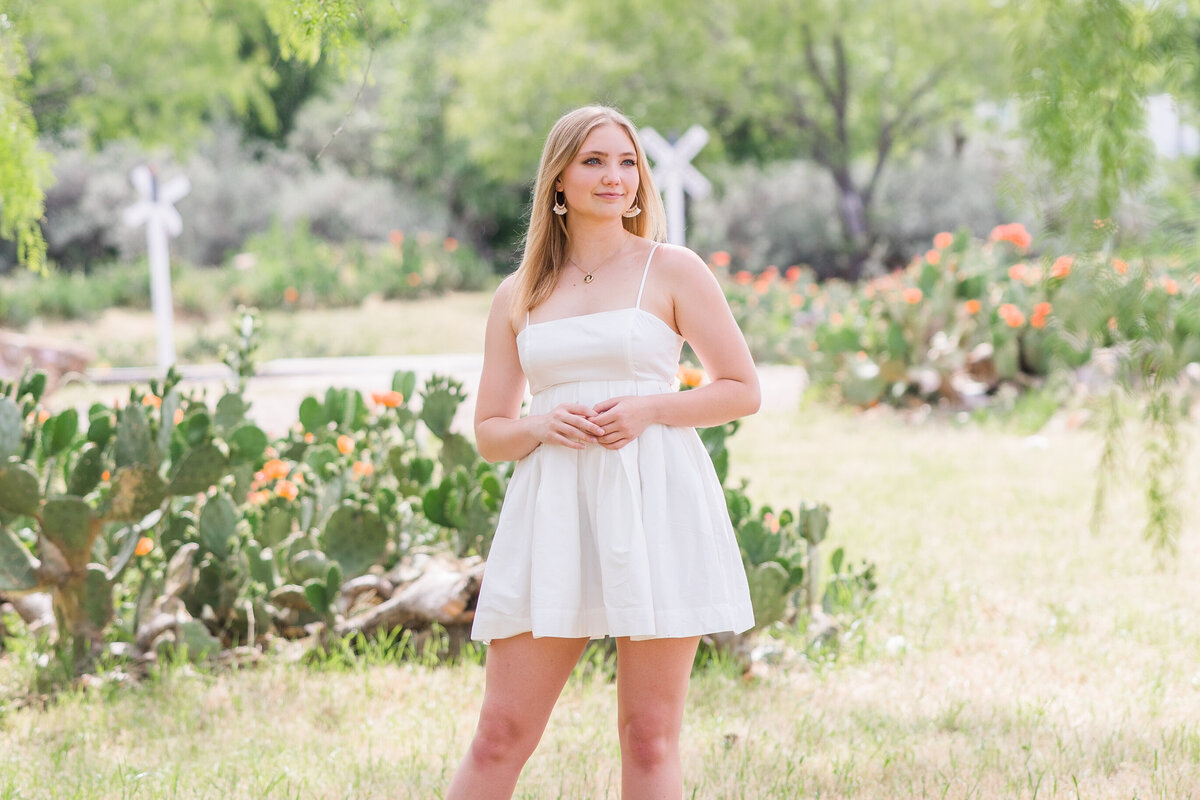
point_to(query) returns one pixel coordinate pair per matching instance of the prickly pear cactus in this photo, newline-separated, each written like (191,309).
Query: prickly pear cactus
(136,491)
(813,521)
(218,525)
(198,469)
(70,525)
(18,489)
(355,538)
(768,592)
(11,429)
(18,569)
(87,472)
(440,399)
(134,444)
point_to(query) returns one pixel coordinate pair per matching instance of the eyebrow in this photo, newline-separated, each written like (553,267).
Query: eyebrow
(602,153)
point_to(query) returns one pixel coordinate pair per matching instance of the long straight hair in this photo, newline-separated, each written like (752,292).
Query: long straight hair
(546,242)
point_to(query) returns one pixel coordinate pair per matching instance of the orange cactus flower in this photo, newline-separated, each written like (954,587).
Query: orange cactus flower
(177,417)
(152,400)
(720,259)
(742,278)
(450,244)
(287,490)
(943,240)
(345,445)
(389,399)
(762,285)
(363,468)
(972,306)
(105,475)
(793,274)
(309,438)
(912,295)
(275,469)
(144,546)
(1011,315)
(1171,285)
(1013,233)
(414,279)
(1120,266)
(1112,324)
(396,238)
(42,415)
(690,376)
(291,294)
(1062,266)
(933,256)
(1018,272)
(1040,312)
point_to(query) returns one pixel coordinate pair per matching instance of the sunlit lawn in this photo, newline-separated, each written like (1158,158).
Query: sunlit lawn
(1037,660)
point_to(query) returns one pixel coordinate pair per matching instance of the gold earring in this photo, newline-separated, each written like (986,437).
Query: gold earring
(633,212)
(560,207)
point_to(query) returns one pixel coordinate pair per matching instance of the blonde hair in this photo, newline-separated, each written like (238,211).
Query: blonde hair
(546,241)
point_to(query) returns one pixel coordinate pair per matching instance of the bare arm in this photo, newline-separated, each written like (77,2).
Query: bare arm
(702,315)
(501,433)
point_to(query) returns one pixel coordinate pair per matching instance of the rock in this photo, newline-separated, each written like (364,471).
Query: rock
(58,359)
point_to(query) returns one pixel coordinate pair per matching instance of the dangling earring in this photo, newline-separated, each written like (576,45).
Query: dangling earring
(633,212)
(560,207)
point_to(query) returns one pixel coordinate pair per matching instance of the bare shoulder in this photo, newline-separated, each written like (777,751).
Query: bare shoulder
(683,269)
(502,300)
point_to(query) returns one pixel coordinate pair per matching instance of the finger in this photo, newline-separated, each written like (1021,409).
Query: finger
(605,405)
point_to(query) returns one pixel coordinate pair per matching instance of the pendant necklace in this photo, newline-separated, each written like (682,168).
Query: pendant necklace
(588,277)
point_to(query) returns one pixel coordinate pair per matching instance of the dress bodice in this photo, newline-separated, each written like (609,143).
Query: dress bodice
(618,345)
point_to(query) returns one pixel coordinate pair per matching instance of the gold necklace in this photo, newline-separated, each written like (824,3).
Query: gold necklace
(588,277)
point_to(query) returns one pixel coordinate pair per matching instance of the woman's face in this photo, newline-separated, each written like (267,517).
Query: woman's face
(602,180)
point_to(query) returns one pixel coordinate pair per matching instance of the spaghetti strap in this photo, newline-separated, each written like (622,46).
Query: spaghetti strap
(645,272)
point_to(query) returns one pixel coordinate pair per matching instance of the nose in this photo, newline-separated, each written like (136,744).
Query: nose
(612,176)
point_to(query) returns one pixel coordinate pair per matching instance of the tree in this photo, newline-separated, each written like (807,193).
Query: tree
(154,72)
(847,84)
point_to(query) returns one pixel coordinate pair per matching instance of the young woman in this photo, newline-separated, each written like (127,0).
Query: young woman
(614,522)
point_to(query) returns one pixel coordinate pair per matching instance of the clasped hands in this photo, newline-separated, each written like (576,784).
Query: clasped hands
(611,423)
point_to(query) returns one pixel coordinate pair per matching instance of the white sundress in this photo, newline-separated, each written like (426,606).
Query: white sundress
(632,542)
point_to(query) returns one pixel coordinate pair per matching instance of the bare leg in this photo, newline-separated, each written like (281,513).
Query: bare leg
(652,684)
(524,678)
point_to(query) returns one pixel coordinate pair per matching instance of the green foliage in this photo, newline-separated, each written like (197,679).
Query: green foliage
(24,170)
(1084,71)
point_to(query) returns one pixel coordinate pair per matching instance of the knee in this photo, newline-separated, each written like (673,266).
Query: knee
(501,738)
(648,743)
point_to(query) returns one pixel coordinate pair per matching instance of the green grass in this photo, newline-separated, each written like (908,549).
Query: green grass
(1038,661)
(448,323)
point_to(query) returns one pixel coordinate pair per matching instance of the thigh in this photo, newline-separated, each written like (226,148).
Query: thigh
(652,680)
(524,675)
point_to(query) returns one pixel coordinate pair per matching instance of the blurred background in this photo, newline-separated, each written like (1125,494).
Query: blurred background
(374,151)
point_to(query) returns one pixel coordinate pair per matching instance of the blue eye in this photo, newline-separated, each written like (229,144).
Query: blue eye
(629,162)
(592,160)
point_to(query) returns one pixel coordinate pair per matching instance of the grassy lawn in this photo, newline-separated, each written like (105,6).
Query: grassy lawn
(449,323)
(1037,660)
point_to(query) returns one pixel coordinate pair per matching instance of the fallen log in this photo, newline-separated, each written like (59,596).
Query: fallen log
(444,593)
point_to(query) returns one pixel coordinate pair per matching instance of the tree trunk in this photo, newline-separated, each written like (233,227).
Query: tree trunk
(856,226)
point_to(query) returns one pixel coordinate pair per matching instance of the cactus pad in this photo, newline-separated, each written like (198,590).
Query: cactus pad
(200,468)
(11,429)
(197,642)
(136,491)
(218,525)
(88,469)
(134,445)
(18,569)
(768,592)
(69,524)
(308,565)
(18,489)
(355,538)
(97,597)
